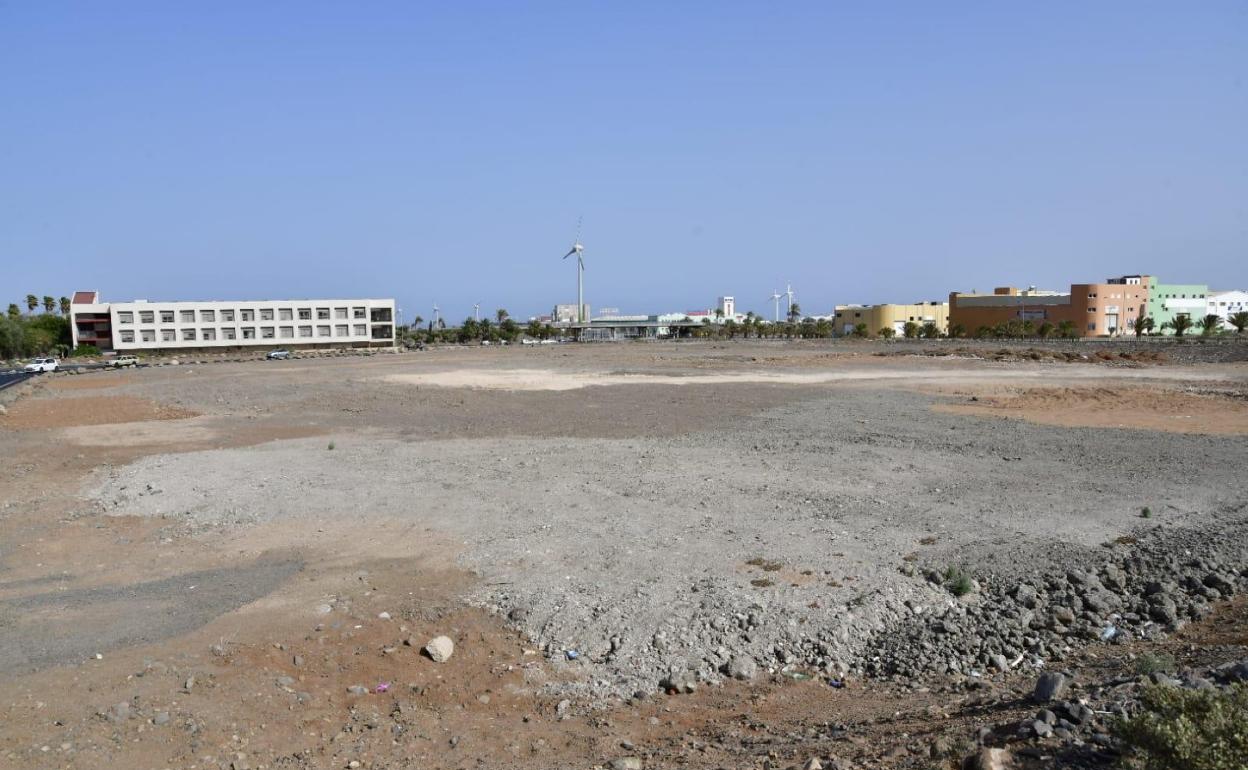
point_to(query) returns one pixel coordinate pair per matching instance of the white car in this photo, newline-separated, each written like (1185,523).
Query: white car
(42,365)
(123,360)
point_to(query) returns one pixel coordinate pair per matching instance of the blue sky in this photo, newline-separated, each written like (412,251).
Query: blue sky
(865,152)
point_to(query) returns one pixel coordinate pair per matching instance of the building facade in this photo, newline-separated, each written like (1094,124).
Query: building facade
(1091,309)
(1225,304)
(1167,301)
(142,325)
(890,316)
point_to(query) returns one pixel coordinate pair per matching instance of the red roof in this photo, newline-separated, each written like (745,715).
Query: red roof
(86,297)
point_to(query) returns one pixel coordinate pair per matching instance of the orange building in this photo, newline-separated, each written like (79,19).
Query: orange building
(1094,309)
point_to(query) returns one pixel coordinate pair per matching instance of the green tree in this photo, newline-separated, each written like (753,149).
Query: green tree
(887,332)
(1067,330)
(469,330)
(32,302)
(509,330)
(860,330)
(534,329)
(1209,324)
(1046,330)
(929,331)
(65,306)
(730,328)
(485,329)
(910,330)
(49,304)
(1180,325)
(1238,320)
(795,312)
(501,314)
(15,312)
(957,331)
(1144,325)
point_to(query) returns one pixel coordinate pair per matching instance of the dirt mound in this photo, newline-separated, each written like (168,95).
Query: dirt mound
(1100,356)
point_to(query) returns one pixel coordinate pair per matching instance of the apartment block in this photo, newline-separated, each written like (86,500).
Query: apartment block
(1225,304)
(143,325)
(1167,301)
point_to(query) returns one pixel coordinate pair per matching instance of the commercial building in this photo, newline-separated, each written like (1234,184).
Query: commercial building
(143,325)
(1089,309)
(1167,301)
(1225,304)
(890,316)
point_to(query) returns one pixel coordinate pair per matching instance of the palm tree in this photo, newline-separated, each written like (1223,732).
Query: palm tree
(32,302)
(1046,330)
(957,330)
(929,331)
(1067,330)
(1209,324)
(910,330)
(417,321)
(795,312)
(64,301)
(1180,324)
(860,330)
(1144,325)
(887,332)
(501,314)
(1238,320)
(49,304)
(15,312)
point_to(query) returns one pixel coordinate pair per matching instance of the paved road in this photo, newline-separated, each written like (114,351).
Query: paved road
(13,377)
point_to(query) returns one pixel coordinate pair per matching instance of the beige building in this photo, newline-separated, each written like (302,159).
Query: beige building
(891,316)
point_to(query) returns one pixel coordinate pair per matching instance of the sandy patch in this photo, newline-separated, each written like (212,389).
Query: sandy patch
(191,429)
(1116,407)
(36,413)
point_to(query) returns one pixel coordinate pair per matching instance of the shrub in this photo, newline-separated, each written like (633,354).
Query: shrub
(1146,512)
(1189,729)
(331,446)
(1155,663)
(86,350)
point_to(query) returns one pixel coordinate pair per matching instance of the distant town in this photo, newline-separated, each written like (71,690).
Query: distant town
(1129,305)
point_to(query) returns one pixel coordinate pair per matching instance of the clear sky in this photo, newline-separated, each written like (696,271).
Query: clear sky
(865,152)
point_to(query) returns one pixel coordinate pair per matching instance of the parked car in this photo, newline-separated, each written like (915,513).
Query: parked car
(278,355)
(42,365)
(120,361)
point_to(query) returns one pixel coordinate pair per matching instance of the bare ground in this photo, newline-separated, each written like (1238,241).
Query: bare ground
(202,549)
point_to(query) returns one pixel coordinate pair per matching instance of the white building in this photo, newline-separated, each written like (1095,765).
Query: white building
(143,325)
(1226,304)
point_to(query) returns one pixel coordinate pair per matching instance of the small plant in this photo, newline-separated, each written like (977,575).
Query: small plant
(957,581)
(331,446)
(1155,663)
(762,583)
(1146,512)
(1190,729)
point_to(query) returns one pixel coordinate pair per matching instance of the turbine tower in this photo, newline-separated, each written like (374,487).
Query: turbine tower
(579,250)
(476,312)
(775,299)
(788,291)
(436,319)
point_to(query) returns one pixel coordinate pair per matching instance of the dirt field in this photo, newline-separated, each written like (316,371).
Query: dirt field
(197,562)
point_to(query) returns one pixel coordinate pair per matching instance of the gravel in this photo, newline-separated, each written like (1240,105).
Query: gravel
(815,535)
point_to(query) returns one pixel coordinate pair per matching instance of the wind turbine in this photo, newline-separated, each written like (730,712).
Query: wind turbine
(436,319)
(578,250)
(775,299)
(788,291)
(476,312)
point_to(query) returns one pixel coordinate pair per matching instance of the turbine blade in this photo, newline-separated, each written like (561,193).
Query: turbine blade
(570,253)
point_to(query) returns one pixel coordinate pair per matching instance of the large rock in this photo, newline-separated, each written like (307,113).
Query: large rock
(1050,686)
(989,759)
(440,649)
(742,667)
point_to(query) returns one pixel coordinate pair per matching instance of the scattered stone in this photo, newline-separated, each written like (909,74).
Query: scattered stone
(357,689)
(813,764)
(440,649)
(161,718)
(626,763)
(119,712)
(1050,686)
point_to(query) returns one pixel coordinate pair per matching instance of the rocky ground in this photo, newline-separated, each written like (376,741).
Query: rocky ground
(797,551)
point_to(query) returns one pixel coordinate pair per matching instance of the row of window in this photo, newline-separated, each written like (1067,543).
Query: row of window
(243,314)
(246,333)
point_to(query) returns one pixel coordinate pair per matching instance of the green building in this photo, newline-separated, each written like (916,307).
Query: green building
(1168,300)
